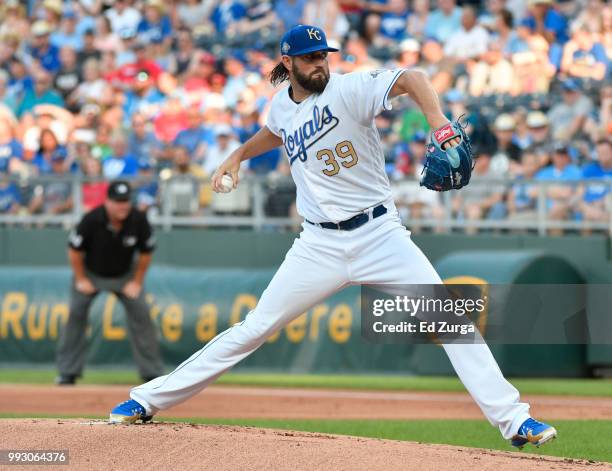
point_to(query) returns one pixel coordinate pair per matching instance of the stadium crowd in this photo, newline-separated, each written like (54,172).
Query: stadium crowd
(162,91)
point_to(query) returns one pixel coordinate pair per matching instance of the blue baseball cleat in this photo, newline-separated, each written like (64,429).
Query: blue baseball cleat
(129,412)
(534,432)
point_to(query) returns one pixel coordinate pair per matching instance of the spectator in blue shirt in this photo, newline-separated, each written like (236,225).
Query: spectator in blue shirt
(584,58)
(444,21)
(49,149)
(559,197)
(142,142)
(227,14)
(120,163)
(266,162)
(595,206)
(10,198)
(195,138)
(236,78)
(146,187)
(545,20)
(41,49)
(155,26)
(67,35)
(289,12)
(20,79)
(523,196)
(394,23)
(143,96)
(54,196)
(84,22)
(387,22)
(42,93)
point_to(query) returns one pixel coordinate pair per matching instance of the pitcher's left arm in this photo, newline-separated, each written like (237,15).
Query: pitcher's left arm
(415,83)
(449,159)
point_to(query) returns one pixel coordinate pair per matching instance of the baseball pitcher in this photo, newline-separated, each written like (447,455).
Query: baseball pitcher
(351,232)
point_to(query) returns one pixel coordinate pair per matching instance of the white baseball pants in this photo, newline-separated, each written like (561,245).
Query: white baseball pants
(321,262)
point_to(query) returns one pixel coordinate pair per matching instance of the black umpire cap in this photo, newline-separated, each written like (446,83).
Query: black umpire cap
(119,190)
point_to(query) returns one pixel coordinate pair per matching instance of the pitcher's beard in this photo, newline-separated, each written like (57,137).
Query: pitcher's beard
(311,84)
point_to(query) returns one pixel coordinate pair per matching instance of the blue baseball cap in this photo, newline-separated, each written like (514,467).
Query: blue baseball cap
(238,55)
(144,163)
(419,136)
(570,85)
(304,39)
(59,155)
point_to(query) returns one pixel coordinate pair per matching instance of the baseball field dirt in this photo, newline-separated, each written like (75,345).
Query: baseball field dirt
(96,445)
(250,402)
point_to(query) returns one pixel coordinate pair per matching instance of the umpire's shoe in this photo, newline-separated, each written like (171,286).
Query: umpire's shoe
(129,412)
(534,432)
(66,380)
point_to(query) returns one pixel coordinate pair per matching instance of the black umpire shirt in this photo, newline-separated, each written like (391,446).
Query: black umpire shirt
(109,253)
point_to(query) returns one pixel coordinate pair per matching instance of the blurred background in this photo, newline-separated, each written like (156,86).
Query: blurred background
(160,92)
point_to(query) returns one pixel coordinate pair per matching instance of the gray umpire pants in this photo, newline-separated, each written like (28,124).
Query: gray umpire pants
(72,346)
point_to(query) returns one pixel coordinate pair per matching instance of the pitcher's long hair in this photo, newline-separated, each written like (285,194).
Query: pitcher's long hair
(279,74)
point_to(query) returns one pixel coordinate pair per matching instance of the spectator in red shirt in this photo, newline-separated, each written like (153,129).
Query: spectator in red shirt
(94,192)
(198,77)
(171,120)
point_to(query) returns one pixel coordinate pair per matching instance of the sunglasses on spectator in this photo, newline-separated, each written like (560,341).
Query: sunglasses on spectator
(314,57)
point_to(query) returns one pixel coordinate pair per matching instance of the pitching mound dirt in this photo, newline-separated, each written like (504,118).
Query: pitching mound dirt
(98,446)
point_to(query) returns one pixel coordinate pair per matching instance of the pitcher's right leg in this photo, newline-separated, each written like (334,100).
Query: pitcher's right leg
(391,258)
(311,271)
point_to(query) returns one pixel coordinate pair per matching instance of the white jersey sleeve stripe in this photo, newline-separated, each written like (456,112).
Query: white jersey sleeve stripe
(386,105)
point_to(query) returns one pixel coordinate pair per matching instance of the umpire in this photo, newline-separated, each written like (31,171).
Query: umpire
(101,253)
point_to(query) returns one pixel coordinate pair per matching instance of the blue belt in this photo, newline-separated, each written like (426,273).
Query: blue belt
(352,223)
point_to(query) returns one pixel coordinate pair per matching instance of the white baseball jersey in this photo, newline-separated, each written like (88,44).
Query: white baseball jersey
(333,145)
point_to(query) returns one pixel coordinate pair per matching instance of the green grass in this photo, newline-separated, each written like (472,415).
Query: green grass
(577,387)
(471,433)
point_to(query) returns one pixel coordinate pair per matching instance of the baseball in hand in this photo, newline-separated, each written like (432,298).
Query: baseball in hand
(227,183)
